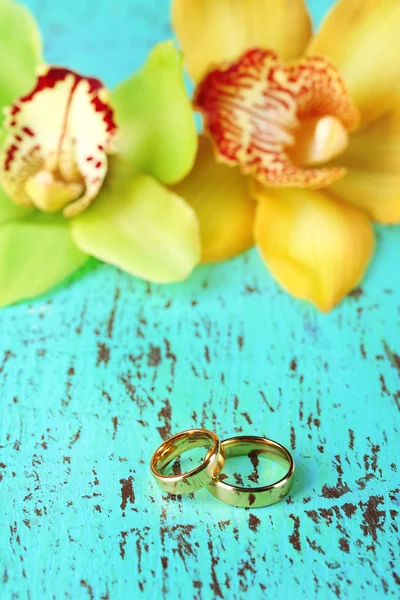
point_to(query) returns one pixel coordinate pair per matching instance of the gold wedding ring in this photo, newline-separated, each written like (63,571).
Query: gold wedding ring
(249,497)
(176,445)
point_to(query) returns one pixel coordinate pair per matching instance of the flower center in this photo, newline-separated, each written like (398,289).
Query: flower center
(59,136)
(318,140)
(278,122)
(51,194)
(58,182)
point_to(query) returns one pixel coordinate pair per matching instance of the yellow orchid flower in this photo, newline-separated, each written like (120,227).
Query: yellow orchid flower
(311,124)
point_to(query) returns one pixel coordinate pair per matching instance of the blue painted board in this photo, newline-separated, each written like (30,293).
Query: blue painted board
(95,374)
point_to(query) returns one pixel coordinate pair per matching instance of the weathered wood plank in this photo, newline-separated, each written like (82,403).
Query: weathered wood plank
(93,376)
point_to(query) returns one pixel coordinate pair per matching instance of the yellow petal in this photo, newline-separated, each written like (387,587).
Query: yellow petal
(317,248)
(213,31)
(362,38)
(378,194)
(376,147)
(373,178)
(220,199)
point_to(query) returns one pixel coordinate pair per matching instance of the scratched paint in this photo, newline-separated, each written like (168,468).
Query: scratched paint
(96,374)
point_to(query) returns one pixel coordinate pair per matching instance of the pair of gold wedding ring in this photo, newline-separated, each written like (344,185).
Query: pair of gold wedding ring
(208,473)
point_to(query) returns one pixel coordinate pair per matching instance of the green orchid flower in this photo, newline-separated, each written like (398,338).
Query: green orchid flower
(84,171)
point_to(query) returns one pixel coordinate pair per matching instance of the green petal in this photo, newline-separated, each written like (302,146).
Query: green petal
(141,227)
(10,211)
(158,133)
(35,253)
(20,51)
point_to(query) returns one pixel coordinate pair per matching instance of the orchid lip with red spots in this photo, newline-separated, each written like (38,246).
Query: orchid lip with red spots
(59,135)
(255,108)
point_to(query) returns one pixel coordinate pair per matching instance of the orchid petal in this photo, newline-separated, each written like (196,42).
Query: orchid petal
(158,134)
(59,135)
(222,204)
(20,50)
(141,227)
(36,253)
(9,211)
(253,110)
(316,248)
(373,161)
(362,38)
(214,31)
(377,194)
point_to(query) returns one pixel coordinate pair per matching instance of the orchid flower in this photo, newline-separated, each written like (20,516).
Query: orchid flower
(311,127)
(84,171)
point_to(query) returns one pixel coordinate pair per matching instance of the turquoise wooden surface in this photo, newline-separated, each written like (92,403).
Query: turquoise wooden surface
(95,374)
